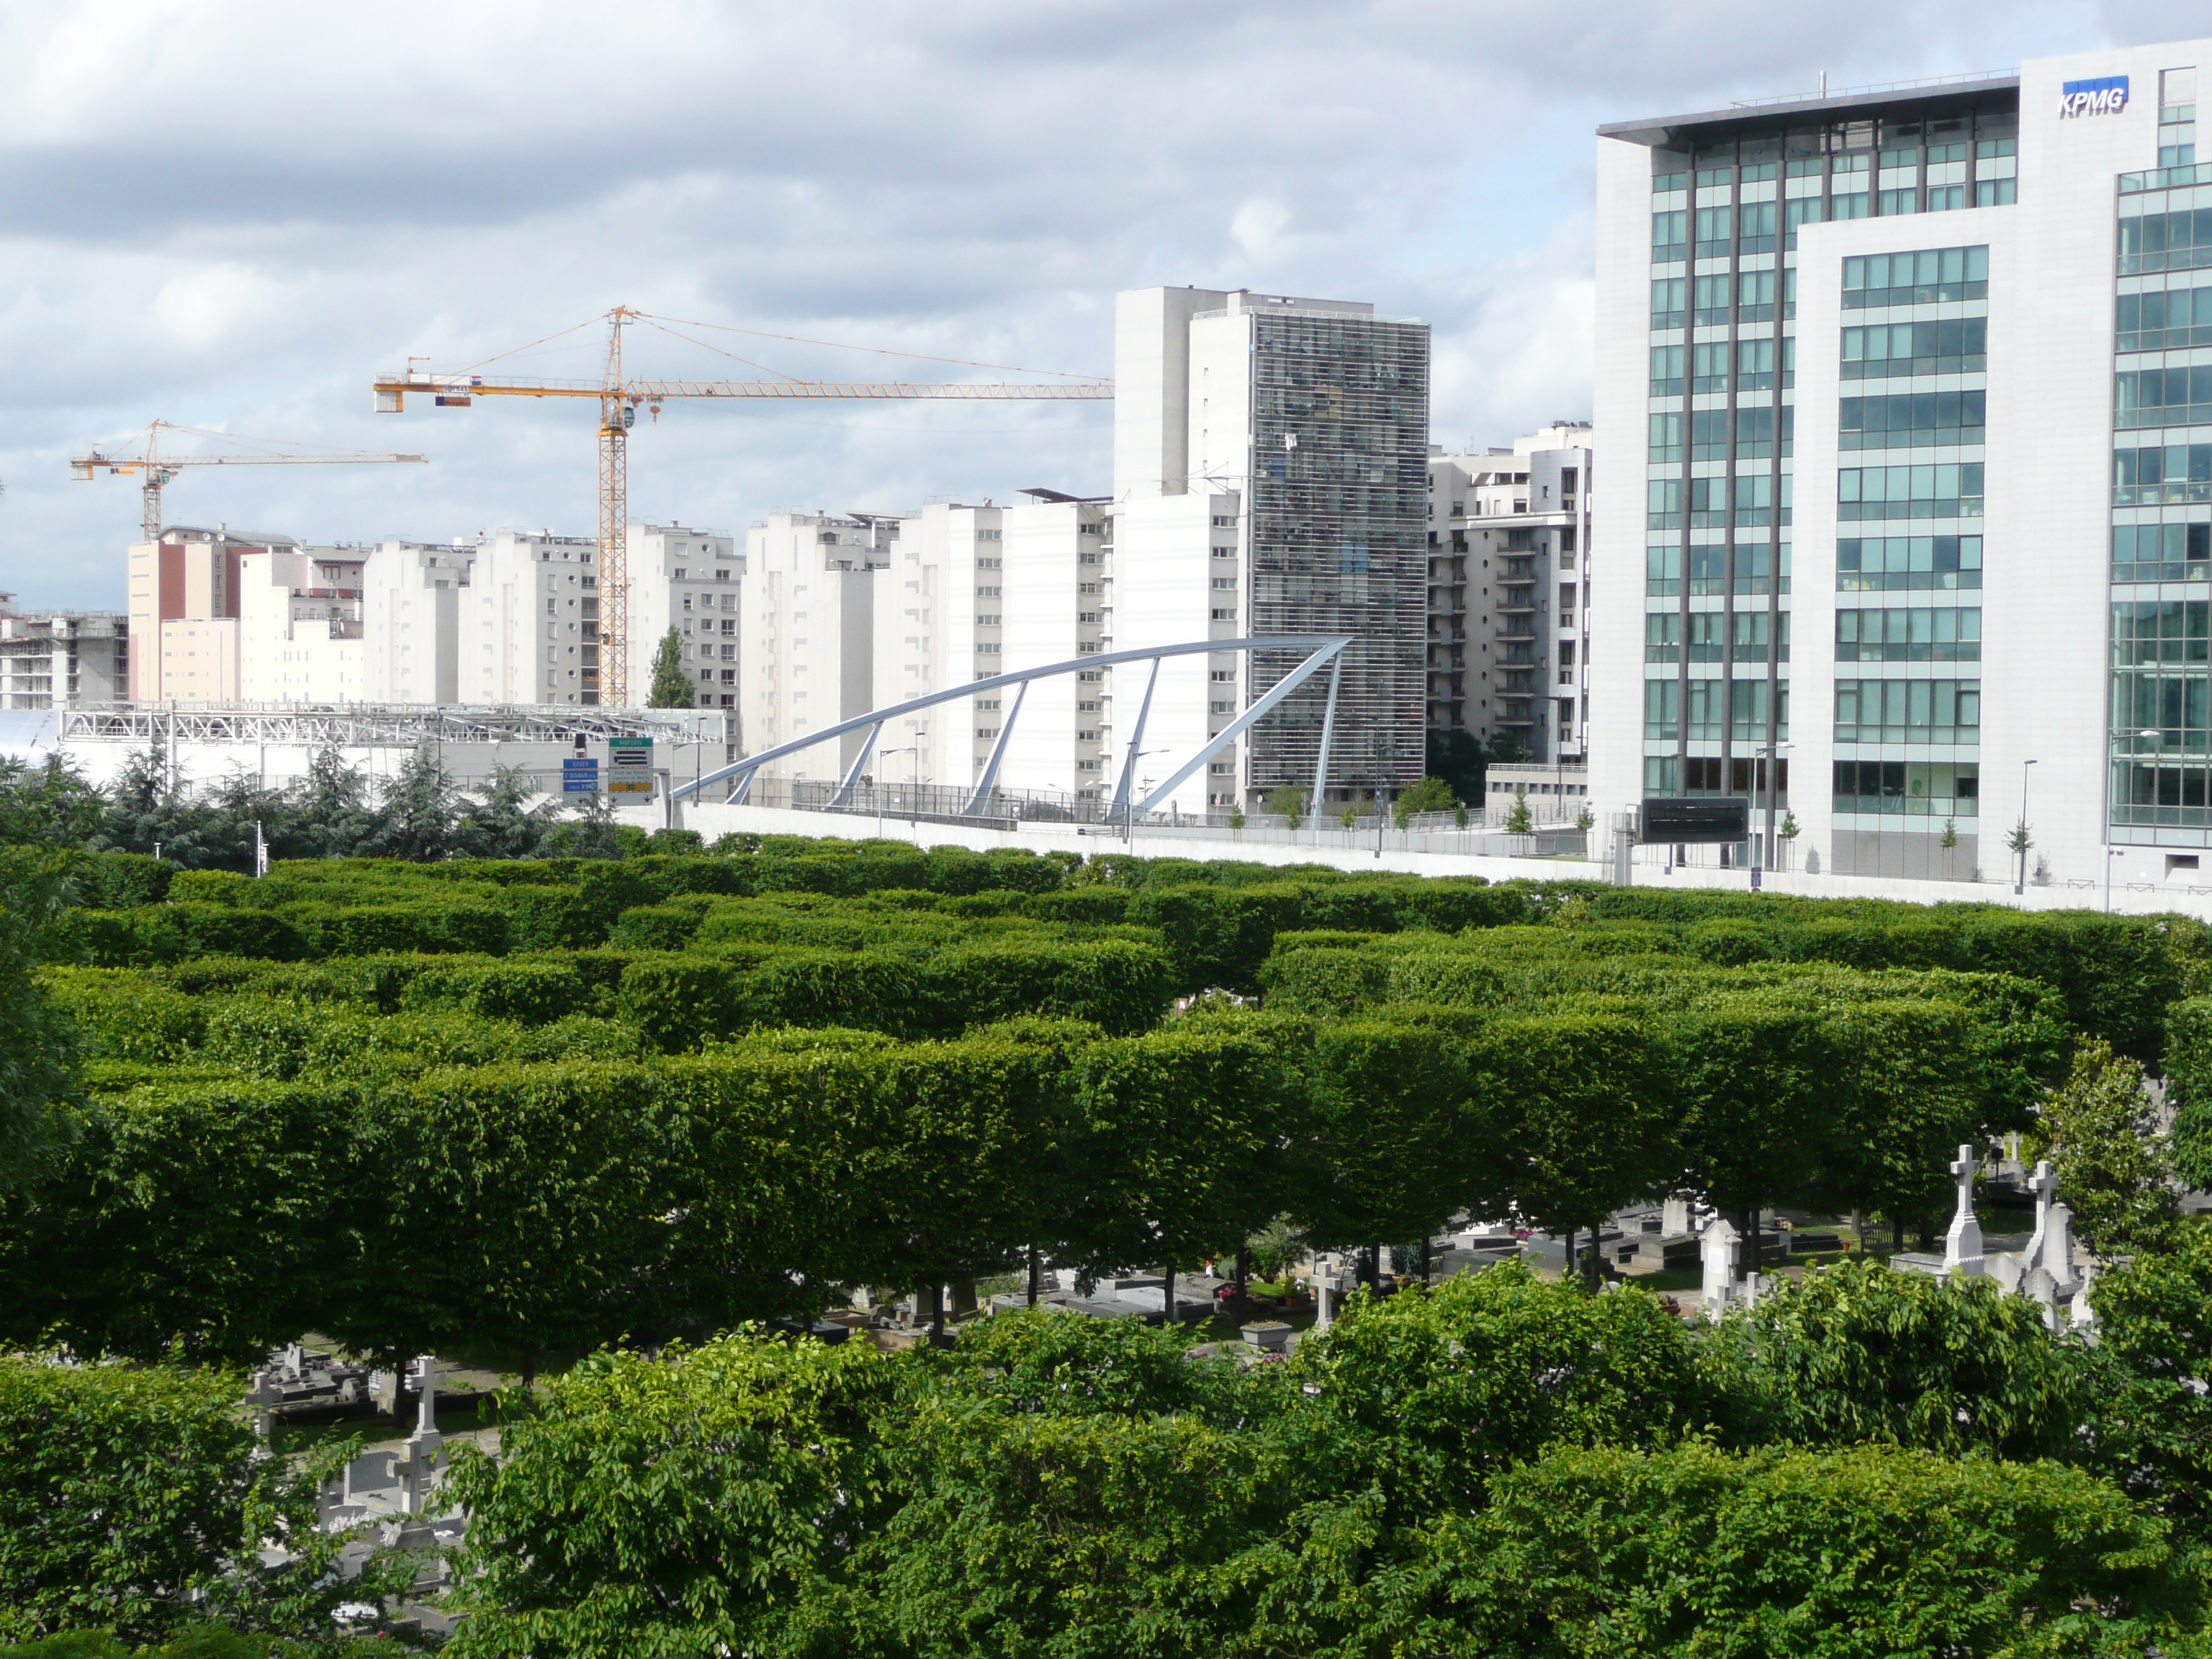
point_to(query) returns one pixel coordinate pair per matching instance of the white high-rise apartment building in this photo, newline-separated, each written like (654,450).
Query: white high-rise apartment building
(1058,606)
(529,620)
(806,633)
(687,579)
(1269,478)
(63,658)
(937,622)
(1509,584)
(413,595)
(300,625)
(1942,308)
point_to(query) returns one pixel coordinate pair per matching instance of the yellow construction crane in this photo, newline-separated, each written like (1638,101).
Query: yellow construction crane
(619,398)
(156,469)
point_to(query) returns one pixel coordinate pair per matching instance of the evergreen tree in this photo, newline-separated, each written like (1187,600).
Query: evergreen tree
(672,684)
(419,811)
(501,823)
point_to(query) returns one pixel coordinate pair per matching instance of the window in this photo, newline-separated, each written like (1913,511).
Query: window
(2161,552)
(2149,633)
(1879,564)
(1667,302)
(1707,633)
(1755,296)
(1944,490)
(1713,297)
(1662,571)
(1921,277)
(1566,602)
(1708,366)
(1666,371)
(1754,365)
(1708,569)
(1758,227)
(1995,192)
(2171,321)
(2162,476)
(1917,635)
(1709,434)
(1662,709)
(2163,397)
(1914,420)
(1908,711)
(1940,789)
(1715,232)
(1955,346)
(1666,440)
(2165,241)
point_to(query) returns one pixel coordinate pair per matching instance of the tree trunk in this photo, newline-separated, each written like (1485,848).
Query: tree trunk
(1591,1261)
(937,1310)
(1036,1274)
(1858,1230)
(1927,1233)
(1243,1266)
(1567,1272)
(1897,1235)
(529,1370)
(1747,1225)
(1167,1296)
(1428,1261)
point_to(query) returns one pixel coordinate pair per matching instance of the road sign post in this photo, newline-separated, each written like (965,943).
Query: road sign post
(629,766)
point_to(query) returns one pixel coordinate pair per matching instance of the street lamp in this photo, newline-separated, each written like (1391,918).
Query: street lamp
(2020,886)
(1129,806)
(914,750)
(1773,753)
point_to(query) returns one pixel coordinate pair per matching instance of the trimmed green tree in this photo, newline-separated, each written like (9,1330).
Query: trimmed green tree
(672,685)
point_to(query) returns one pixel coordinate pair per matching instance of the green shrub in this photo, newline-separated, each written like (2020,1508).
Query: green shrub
(120,881)
(529,992)
(208,887)
(124,1015)
(655,927)
(121,1490)
(209,930)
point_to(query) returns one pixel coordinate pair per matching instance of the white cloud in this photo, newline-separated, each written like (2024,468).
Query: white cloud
(232,212)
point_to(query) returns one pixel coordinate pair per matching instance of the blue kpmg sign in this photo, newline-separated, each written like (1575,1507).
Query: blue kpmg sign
(2106,95)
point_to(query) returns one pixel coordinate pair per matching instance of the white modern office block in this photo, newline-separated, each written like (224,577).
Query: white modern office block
(687,579)
(1509,585)
(1270,457)
(184,608)
(529,620)
(1965,318)
(806,633)
(300,625)
(411,600)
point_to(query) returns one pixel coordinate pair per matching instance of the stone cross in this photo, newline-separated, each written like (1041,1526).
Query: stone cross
(2045,1185)
(1674,1216)
(1962,1244)
(425,1453)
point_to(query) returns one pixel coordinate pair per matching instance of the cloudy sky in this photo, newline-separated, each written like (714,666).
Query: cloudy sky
(232,214)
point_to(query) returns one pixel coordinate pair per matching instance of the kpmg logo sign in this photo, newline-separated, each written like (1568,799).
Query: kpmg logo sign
(2107,95)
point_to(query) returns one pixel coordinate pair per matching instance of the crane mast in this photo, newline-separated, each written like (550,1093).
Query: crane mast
(619,396)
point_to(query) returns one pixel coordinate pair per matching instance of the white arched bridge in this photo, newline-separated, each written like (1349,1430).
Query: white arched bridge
(1320,649)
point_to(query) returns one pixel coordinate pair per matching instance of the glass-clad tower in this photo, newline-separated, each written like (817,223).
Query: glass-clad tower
(1866,345)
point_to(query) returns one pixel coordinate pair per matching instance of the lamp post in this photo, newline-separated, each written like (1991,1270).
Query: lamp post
(2020,886)
(1129,806)
(1773,751)
(911,748)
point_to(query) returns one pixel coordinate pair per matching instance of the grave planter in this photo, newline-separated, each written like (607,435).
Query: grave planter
(1268,1335)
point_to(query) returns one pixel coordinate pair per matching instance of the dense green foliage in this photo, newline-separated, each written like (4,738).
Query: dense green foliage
(521,1105)
(1498,1467)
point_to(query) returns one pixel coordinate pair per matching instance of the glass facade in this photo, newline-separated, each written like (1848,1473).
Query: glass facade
(1339,533)
(2161,686)
(1720,490)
